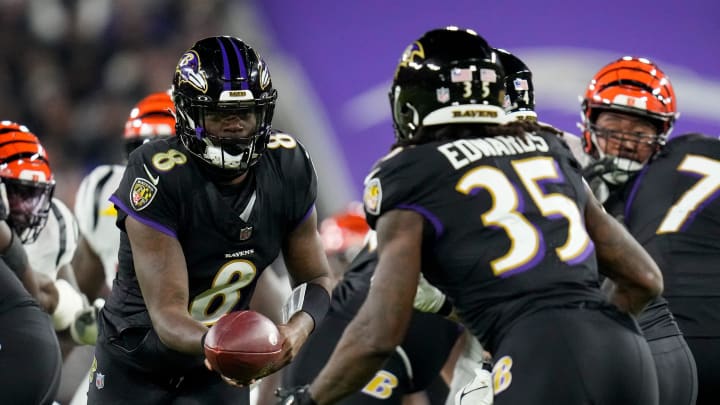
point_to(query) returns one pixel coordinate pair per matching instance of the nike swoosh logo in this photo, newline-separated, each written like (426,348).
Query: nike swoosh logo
(473,390)
(155,179)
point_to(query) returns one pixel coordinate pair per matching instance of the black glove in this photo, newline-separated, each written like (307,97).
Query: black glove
(299,395)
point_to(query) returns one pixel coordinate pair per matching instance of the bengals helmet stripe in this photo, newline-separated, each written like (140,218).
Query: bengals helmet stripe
(152,117)
(27,178)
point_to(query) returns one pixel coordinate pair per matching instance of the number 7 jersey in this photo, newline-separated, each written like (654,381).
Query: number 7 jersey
(673,210)
(507,221)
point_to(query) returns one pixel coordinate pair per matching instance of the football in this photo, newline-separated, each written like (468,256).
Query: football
(243,345)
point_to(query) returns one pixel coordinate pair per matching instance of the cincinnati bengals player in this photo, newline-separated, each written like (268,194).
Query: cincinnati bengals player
(44,224)
(30,353)
(652,186)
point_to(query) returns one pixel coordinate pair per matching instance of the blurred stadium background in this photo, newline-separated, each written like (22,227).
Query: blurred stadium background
(72,69)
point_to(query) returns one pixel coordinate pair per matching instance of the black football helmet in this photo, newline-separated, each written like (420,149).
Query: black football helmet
(519,91)
(223,75)
(447,76)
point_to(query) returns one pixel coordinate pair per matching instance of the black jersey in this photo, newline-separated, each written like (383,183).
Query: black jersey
(12,291)
(656,320)
(674,212)
(349,294)
(228,236)
(508,221)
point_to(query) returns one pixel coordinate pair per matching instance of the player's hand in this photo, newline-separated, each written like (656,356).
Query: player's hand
(294,334)
(48,294)
(84,329)
(479,391)
(228,380)
(295,396)
(427,297)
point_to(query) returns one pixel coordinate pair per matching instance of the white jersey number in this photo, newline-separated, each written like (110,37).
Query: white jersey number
(224,293)
(525,238)
(695,197)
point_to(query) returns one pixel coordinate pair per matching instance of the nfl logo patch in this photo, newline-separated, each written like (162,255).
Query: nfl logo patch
(246,233)
(443,94)
(142,193)
(99,380)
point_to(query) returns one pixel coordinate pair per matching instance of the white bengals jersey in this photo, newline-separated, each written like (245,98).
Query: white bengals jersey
(96,215)
(56,243)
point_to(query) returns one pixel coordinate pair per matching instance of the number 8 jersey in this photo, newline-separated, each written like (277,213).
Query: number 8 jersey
(504,219)
(228,234)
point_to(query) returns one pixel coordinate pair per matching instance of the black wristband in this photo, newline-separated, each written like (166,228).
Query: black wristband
(316,302)
(202,340)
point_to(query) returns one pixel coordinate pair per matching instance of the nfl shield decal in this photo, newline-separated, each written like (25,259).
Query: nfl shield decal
(443,94)
(99,380)
(142,193)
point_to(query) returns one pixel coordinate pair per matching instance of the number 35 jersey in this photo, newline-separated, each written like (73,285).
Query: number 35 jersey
(507,220)
(228,236)
(673,210)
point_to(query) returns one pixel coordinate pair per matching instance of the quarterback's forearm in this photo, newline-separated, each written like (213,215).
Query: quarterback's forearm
(178,331)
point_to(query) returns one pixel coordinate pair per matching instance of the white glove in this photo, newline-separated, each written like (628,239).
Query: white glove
(70,302)
(84,329)
(427,297)
(479,391)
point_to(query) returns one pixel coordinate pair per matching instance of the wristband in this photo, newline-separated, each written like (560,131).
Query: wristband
(310,298)
(202,339)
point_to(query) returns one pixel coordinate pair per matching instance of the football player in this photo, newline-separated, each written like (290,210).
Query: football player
(412,367)
(664,194)
(29,348)
(202,215)
(44,225)
(497,216)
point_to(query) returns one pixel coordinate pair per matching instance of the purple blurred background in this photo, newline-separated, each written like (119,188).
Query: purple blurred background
(72,69)
(348,50)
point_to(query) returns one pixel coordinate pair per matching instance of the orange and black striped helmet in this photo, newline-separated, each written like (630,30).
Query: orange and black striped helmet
(633,86)
(152,117)
(27,179)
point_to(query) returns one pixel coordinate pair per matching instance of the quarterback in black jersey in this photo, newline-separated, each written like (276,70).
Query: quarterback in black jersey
(411,368)
(202,215)
(497,216)
(628,111)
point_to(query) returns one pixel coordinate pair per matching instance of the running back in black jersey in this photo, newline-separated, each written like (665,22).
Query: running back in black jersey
(508,220)
(229,236)
(674,213)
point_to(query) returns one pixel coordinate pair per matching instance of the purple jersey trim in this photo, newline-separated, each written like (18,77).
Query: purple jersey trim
(434,220)
(151,224)
(633,191)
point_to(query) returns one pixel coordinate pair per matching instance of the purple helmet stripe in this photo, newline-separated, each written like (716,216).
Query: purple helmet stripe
(243,70)
(226,66)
